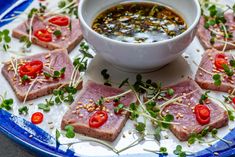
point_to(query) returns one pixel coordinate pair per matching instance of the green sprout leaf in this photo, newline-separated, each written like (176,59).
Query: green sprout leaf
(23,110)
(217,79)
(69,131)
(140,127)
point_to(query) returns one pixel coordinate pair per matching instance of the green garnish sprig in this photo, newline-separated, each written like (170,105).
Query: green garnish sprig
(162,151)
(217,79)
(204,97)
(56,74)
(204,133)
(57,33)
(26,42)
(65,94)
(5,39)
(69,7)
(80,63)
(179,151)
(6,103)
(23,110)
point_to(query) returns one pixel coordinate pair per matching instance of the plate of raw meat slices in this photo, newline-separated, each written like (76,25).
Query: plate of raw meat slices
(58,98)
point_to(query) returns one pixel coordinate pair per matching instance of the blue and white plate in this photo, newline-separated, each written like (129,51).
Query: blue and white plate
(41,138)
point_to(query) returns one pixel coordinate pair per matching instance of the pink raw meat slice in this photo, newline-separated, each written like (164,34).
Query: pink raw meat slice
(57,59)
(184,112)
(70,38)
(206,70)
(78,116)
(205,34)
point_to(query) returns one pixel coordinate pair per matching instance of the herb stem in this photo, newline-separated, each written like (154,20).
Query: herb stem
(31,27)
(226,37)
(61,9)
(150,117)
(118,96)
(29,89)
(137,141)
(96,141)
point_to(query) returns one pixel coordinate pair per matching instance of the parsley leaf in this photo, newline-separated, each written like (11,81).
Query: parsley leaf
(140,127)
(23,110)
(232,63)
(227,70)
(6,104)
(57,135)
(204,97)
(57,33)
(69,131)
(217,79)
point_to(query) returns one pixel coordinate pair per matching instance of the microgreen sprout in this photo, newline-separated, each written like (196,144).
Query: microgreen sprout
(5,39)
(81,62)
(23,110)
(69,131)
(6,103)
(26,41)
(69,7)
(217,79)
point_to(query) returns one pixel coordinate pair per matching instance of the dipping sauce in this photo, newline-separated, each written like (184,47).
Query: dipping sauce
(139,22)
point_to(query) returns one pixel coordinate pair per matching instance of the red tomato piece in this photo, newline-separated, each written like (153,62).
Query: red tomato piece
(37,118)
(202,114)
(60,20)
(31,68)
(220,61)
(43,35)
(98,119)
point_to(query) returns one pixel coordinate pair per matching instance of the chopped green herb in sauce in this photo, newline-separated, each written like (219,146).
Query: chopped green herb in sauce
(139,23)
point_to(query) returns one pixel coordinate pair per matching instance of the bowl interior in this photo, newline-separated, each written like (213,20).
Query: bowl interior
(188,9)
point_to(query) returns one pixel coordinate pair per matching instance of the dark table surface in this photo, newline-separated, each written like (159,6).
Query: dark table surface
(8,148)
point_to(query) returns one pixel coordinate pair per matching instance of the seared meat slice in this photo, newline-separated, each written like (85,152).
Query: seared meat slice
(205,34)
(183,110)
(85,106)
(52,61)
(70,37)
(207,68)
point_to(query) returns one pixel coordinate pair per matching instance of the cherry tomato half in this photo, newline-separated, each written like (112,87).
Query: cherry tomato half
(43,35)
(202,114)
(220,61)
(98,119)
(37,118)
(60,20)
(31,68)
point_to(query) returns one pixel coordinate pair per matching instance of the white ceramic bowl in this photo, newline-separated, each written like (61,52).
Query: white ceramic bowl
(134,56)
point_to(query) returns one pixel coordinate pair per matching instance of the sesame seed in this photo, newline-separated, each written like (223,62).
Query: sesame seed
(80,115)
(79,103)
(73,112)
(207,101)
(50,122)
(30,136)
(52,127)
